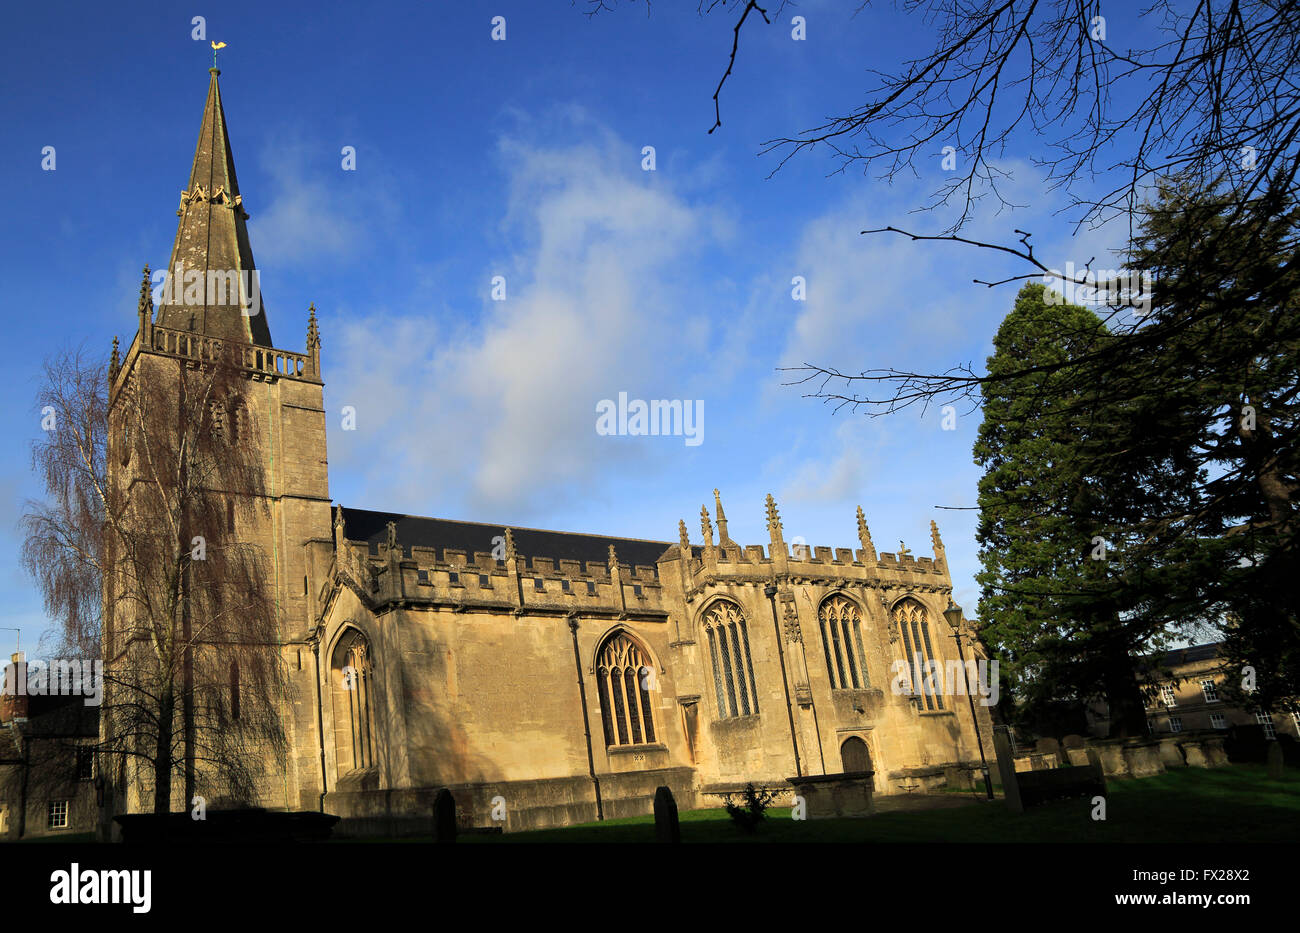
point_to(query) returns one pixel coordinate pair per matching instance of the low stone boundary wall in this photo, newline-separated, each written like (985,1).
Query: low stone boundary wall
(526,805)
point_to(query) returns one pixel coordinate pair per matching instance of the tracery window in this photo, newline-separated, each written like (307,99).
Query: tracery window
(624,679)
(733,669)
(923,664)
(841,626)
(353,690)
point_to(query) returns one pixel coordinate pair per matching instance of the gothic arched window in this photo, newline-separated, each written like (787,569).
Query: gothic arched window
(922,662)
(624,680)
(733,669)
(841,626)
(353,694)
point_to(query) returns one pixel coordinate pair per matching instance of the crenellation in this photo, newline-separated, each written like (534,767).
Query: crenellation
(824,555)
(844,555)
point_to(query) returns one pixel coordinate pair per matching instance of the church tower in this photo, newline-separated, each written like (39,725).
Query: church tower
(211,307)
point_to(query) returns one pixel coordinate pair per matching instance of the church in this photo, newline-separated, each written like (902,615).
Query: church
(544,677)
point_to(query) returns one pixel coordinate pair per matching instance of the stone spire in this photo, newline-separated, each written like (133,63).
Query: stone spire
(864,536)
(114,362)
(212,237)
(724,540)
(774,523)
(706,526)
(683,537)
(510,544)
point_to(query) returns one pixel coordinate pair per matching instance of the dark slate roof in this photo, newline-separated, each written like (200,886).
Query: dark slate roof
(61,716)
(471,537)
(1190,654)
(1178,656)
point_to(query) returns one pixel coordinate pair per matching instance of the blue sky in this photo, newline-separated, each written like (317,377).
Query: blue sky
(523,159)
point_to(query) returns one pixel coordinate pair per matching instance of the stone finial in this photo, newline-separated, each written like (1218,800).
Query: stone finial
(114,361)
(682,536)
(902,550)
(864,536)
(338,528)
(313,331)
(392,536)
(613,559)
(510,544)
(706,526)
(773,521)
(146,293)
(724,540)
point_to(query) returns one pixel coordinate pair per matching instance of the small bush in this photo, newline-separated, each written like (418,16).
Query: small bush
(748,813)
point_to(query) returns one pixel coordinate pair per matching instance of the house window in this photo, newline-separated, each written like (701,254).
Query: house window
(841,627)
(1211,694)
(910,618)
(1217,721)
(58,815)
(1167,695)
(733,669)
(1266,720)
(564,585)
(1175,724)
(591,588)
(85,764)
(624,680)
(636,589)
(484,581)
(422,576)
(539,584)
(453,578)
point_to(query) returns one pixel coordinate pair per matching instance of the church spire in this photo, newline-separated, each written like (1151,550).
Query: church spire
(217,292)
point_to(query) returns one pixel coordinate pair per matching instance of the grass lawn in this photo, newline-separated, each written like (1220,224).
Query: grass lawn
(1233,804)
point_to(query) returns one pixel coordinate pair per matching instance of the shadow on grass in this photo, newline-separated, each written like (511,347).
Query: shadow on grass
(1234,804)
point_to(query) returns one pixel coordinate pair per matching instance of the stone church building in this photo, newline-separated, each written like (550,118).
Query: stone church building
(548,677)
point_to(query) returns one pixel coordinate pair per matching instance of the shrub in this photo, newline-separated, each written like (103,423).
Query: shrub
(748,813)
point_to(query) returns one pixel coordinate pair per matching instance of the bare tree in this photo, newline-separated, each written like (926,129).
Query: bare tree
(146,495)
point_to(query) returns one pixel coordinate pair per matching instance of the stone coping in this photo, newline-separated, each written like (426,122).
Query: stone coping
(832,778)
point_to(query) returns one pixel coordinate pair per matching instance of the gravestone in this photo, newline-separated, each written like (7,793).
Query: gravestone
(444,817)
(667,828)
(1051,750)
(1007,768)
(1275,760)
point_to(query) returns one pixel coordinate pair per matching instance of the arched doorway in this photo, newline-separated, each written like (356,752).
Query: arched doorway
(854,755)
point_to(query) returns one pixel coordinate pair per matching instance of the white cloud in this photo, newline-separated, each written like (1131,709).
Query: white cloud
(503,408)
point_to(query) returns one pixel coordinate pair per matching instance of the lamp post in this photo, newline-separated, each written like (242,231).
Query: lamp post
(953,615)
